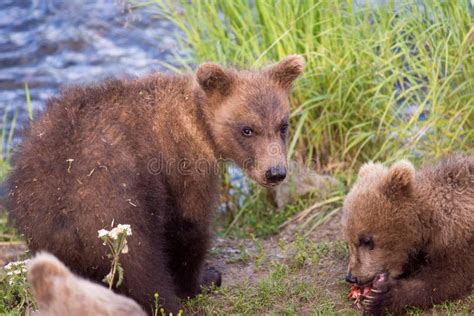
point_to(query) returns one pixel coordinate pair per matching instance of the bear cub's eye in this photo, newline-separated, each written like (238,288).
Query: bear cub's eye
(284,129)
(247,131)
(367,242)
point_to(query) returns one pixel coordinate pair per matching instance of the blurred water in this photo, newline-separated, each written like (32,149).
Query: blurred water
(53,43)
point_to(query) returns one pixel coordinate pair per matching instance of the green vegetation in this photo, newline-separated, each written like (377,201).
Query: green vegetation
(287,284)
(6,135)
(15,294)
(6,138)
(7,233)
(257,215)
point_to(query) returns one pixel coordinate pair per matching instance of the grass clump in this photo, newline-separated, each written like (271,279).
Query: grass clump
(15,293)
(8,234)
(287,285)
(6,138)
(6,135)
(257,216)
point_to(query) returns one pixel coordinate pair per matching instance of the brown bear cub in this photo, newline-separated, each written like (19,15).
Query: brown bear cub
(146,152)
(411,233)
(58,292)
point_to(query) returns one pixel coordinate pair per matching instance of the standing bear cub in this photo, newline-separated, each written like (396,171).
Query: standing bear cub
(411,234)
(146,152)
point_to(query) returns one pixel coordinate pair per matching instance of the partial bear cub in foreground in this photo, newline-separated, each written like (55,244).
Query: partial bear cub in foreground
(146,152)
(412,232)
(58,292)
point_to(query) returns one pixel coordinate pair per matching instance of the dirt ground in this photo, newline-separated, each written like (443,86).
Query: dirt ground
(312,285)
(234,271)
(322,278)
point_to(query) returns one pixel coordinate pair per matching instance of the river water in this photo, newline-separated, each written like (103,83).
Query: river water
(52,43)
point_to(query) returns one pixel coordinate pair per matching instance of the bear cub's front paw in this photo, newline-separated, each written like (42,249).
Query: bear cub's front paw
(380,295)
(211,277)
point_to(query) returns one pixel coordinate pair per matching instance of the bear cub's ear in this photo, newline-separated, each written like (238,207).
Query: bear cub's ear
(370,168)
(214,78)
(41,274)
(400,177)
(287,70)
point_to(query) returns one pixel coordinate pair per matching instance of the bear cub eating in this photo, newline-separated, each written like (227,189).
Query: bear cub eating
(411,233)
(146,152)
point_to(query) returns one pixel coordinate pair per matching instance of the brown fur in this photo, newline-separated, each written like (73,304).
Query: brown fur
(418,227)
(58,292)
(145,152)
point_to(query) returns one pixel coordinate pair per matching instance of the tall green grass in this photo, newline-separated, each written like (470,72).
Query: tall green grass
(6,138)
(381,81)
(6,134)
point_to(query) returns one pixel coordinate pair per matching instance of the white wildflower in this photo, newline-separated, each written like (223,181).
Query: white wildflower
(17,265)
(16,271)
(113,234)
(116,239)
(120,229)
(103,232)
(125,248)
(125,228)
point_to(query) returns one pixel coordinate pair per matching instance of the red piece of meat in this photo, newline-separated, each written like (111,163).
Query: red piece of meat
(357,294)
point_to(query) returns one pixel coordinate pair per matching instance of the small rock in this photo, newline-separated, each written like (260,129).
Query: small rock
(300,182)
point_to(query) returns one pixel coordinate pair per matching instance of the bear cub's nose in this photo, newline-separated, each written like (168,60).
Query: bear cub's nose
(275,174)
(350,278)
